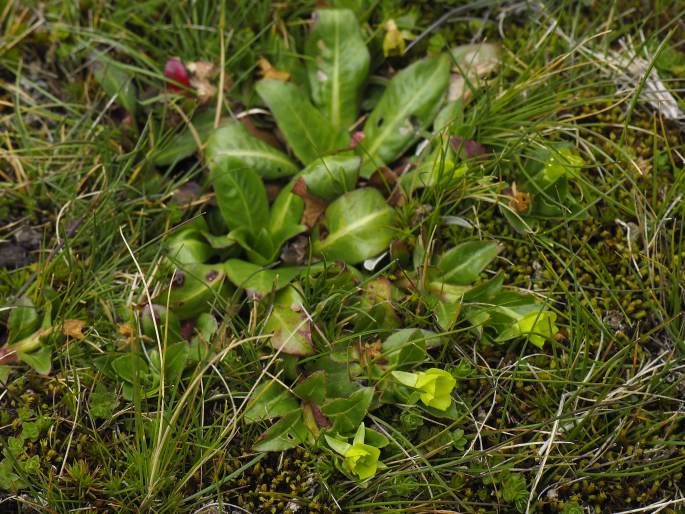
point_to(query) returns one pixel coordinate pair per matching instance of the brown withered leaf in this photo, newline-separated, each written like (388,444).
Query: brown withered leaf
(73,328)
(264,135)
(269,72)
(313,207)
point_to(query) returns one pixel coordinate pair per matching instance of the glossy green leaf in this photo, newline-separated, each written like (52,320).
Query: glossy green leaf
(258,280)
(286,210)
(271,400)
(407,107)
(360,226)
(308,132)
(289,325)
(331,176)
(232,142)
(241,196)
(347,413)
(464,263)
(338,65)
(189,246)
(116,81)
(194,289)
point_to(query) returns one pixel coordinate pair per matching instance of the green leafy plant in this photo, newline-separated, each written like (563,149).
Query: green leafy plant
(26,332)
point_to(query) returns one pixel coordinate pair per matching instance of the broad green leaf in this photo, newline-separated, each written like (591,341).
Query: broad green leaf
(464,263)
(23,320)
(405,347)
(331,176)
(441,167)
(347,413)
(40,360)
(538,326)
(286,210)
(271,400)
(360,226)
(115,81)
(289,325)
(258,280)
(338,65)
(241,196)
(233,142)
(407,107)
(308,132)
(194,289)
(289,432)
(184,143)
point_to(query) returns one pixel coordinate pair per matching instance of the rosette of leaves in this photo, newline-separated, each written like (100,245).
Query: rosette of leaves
(342,386)
(355,224)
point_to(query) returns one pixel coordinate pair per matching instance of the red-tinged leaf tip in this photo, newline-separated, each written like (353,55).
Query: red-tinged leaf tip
(176,71)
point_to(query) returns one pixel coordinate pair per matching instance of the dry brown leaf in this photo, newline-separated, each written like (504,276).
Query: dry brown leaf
(73,328)
(313,207)
(269,72)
